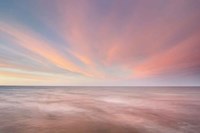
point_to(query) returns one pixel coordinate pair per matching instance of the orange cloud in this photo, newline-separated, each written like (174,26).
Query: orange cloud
(39,46)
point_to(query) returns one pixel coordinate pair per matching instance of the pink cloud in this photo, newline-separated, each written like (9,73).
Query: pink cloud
(183,56)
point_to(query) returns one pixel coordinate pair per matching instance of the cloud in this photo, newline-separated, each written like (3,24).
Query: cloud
(183,58)
(108,40)
(43,48)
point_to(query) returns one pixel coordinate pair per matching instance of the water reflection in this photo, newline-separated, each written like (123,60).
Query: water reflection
(99,110)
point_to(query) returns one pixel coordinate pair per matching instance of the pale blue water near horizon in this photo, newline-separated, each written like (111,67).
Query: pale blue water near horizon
(99,109)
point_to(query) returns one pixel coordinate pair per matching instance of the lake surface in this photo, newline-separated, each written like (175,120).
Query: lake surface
(99,109)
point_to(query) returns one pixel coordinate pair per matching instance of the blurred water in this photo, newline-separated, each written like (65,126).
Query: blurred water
(99,110)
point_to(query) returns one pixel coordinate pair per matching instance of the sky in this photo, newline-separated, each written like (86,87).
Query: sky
(100,42)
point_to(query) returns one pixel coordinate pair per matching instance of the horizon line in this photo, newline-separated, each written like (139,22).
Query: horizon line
(99,86)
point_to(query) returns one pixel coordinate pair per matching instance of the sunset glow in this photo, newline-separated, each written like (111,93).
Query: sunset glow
(100,42)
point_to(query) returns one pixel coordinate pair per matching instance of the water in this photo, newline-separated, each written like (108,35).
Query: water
(99,110)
